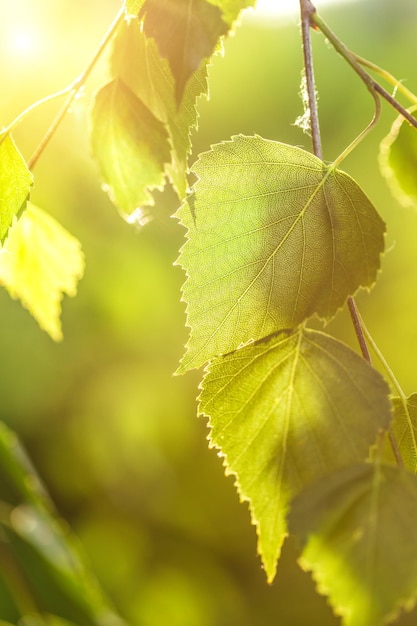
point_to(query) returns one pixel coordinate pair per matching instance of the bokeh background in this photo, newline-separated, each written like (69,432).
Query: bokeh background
(112,433)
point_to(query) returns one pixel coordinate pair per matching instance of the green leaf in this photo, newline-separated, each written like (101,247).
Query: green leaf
(186,32)
(360,537)
(274,236)
(15,183)
(45,559)
(19,481)
(398,161)
(130,145)
(404,426)
(155,87)
(231,8)
(39,263)
(132,7)
(286,411)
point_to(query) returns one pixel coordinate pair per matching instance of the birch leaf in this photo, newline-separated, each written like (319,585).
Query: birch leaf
(131,147)
(398,161)
(15,183)
(274,236)
(360,541)
(155,87)
(40,262)
(186,32)
(231,8)
(286,411)
(405,430)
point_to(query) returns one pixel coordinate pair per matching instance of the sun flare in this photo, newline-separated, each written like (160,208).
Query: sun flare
(23,42)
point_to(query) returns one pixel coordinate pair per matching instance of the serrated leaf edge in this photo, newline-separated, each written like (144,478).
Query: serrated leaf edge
(182,369)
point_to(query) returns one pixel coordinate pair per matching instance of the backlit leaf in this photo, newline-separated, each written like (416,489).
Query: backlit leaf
(274,236)
(155,87)
(398,161)
(15,183)
(130,145)
(360,537)
(40,262)
(286,411)
(186,32)
(405,430)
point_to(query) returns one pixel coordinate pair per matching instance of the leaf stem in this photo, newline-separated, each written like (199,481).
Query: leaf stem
(397,387)
(361,135)
(366,78)
(34,106)
(397,84)
(74,89)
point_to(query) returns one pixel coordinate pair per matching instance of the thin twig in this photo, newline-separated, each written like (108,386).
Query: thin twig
(308,19)
(395,104)
(307,9)
(357,324)
(374,87)
(397,84)
(77,86)
(58,94)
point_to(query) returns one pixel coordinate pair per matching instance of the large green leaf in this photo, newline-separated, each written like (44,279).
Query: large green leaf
(274,236)
(360,534)
(130,145)
(404,427)
(41,561)
(186,32)
(40,262)
(136,59)
(15,183)
(398,161)
(286,411)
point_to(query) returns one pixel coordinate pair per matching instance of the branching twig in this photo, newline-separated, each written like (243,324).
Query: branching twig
(75,88)
(374,87)
(309,18)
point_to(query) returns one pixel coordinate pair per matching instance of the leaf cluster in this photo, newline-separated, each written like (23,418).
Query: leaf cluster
(275,237)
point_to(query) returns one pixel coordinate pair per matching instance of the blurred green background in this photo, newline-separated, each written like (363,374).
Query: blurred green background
(112,433)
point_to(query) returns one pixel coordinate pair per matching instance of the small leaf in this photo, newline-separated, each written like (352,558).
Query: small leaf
(404,426)
(39,263)
(130,145)
(15,183)
(398,161)
(286,411)
(155,87)
(186,32)
(274,236)
(360,537)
